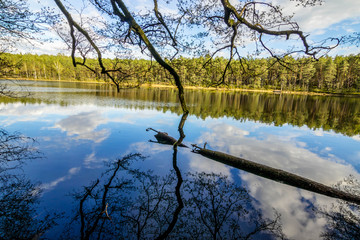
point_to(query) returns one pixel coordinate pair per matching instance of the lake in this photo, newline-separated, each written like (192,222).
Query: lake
(91,171)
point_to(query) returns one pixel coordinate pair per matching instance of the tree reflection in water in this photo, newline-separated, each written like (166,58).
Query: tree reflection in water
(19,218)
(218,209)
(15,149)
(343,218)
(19,197)
(127,203)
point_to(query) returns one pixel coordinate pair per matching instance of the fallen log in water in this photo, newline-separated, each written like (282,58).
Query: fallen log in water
(164,138)
(276,174)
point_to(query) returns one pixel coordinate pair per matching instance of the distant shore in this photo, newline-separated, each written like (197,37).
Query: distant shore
(148,85)
(237,89)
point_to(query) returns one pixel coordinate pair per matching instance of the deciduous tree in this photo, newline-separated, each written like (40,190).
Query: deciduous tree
(191,27)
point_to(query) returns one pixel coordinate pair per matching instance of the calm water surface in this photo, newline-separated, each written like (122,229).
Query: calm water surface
(94,173)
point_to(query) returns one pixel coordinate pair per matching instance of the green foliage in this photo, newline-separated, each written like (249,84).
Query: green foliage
(332,75)
(338,114)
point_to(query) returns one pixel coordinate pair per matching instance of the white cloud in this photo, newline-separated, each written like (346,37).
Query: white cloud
(356,137)
(51,185)
(350,30)
(318,133)
(81,123)
(39,112)
(291,203)
(70,119)
(321,132)
(328,149)
(18,112)
(91,161)
(279,152)
(148,148)
(83,126)
(53,47)
(316,18)
(73,171)
(289,155)
(200,164)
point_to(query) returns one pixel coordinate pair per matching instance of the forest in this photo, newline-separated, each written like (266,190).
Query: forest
(338,114)
(340,74)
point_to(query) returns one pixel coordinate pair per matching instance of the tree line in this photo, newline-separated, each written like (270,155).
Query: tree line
(338,114)
(340,74)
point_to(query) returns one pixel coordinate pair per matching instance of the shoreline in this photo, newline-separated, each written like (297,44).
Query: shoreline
(223,89)
(52,80)
(277,92)
(237,90)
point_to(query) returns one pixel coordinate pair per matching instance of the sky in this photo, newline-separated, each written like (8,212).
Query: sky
(333,18)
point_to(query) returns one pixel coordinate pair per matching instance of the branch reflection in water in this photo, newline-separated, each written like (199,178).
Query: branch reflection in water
(19,197)
(342,218)
(188,223)
(129,203)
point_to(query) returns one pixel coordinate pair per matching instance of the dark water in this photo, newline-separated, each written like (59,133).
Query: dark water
(92,172)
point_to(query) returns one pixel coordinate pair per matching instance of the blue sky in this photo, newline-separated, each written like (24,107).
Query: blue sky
(332,18)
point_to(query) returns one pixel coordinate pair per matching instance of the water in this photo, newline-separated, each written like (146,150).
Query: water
(92,151)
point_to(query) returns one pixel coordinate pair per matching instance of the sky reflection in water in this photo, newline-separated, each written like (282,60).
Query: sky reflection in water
(77,138)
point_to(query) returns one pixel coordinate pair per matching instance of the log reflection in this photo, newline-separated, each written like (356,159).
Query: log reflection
(180,203)
(164,138)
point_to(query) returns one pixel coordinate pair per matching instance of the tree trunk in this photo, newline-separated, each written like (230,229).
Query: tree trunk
(276,175)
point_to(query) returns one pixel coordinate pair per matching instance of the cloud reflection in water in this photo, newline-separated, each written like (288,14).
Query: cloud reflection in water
(290,155)
(83,126)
